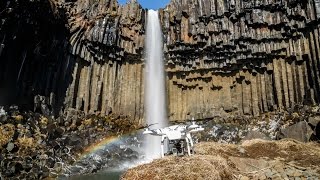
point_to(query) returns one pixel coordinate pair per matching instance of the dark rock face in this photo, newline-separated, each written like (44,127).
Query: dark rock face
(85,55)
(222,56)
(33,54)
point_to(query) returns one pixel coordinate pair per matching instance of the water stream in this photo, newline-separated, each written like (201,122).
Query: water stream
(155,83)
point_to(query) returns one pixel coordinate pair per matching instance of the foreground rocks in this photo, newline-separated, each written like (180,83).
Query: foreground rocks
(253,159)
(301,124)
(33,146)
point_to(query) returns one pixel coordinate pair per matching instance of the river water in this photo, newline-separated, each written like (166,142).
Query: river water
(104,175)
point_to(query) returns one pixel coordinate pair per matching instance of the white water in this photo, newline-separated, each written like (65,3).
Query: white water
(200,5)
(155,84)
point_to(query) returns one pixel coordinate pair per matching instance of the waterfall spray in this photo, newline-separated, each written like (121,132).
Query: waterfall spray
(155,83)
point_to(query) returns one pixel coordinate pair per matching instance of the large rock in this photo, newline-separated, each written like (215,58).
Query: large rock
(300,131)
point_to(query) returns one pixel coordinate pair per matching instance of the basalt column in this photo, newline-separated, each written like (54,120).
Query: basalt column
(108,43)
(85,55)
(240,57)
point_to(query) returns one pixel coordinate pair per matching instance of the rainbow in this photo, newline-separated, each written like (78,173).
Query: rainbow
(101,144)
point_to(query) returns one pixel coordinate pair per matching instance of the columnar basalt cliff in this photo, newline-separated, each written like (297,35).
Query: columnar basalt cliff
(246,57)
(236,56)
(107,41)
(33,53)
(95,65)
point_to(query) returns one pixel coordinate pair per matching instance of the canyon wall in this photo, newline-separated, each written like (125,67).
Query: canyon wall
(235,56)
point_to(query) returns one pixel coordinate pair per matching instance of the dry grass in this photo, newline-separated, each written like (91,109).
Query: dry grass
(212,148)
(18,117)
(305,154)
(217,161)
(6,133)
(26,144)
(87,122)
(43,120)
(181,168)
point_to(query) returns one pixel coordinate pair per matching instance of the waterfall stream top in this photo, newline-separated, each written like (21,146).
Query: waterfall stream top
(149,4)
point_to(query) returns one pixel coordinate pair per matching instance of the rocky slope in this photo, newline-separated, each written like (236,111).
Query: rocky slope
(35,147)
(241,57)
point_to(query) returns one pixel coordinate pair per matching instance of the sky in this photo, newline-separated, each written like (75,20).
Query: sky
(149,4)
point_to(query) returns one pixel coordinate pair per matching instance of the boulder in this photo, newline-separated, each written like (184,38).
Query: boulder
(300,131)
(314,121)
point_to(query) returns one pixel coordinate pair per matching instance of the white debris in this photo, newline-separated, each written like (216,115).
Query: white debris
(2,112)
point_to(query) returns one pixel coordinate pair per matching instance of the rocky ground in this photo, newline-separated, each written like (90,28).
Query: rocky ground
(253,159)
(301,123)
(33,146)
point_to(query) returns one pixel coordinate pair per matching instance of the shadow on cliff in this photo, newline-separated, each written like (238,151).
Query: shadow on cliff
(34,55)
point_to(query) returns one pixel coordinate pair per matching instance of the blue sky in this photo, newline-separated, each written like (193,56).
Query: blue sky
(150,4)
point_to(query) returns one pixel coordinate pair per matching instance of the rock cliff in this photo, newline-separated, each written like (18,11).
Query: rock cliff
(235,56)
(85,55)
(246,57)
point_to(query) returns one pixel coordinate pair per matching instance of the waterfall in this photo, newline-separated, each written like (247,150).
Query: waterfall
(155,84)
